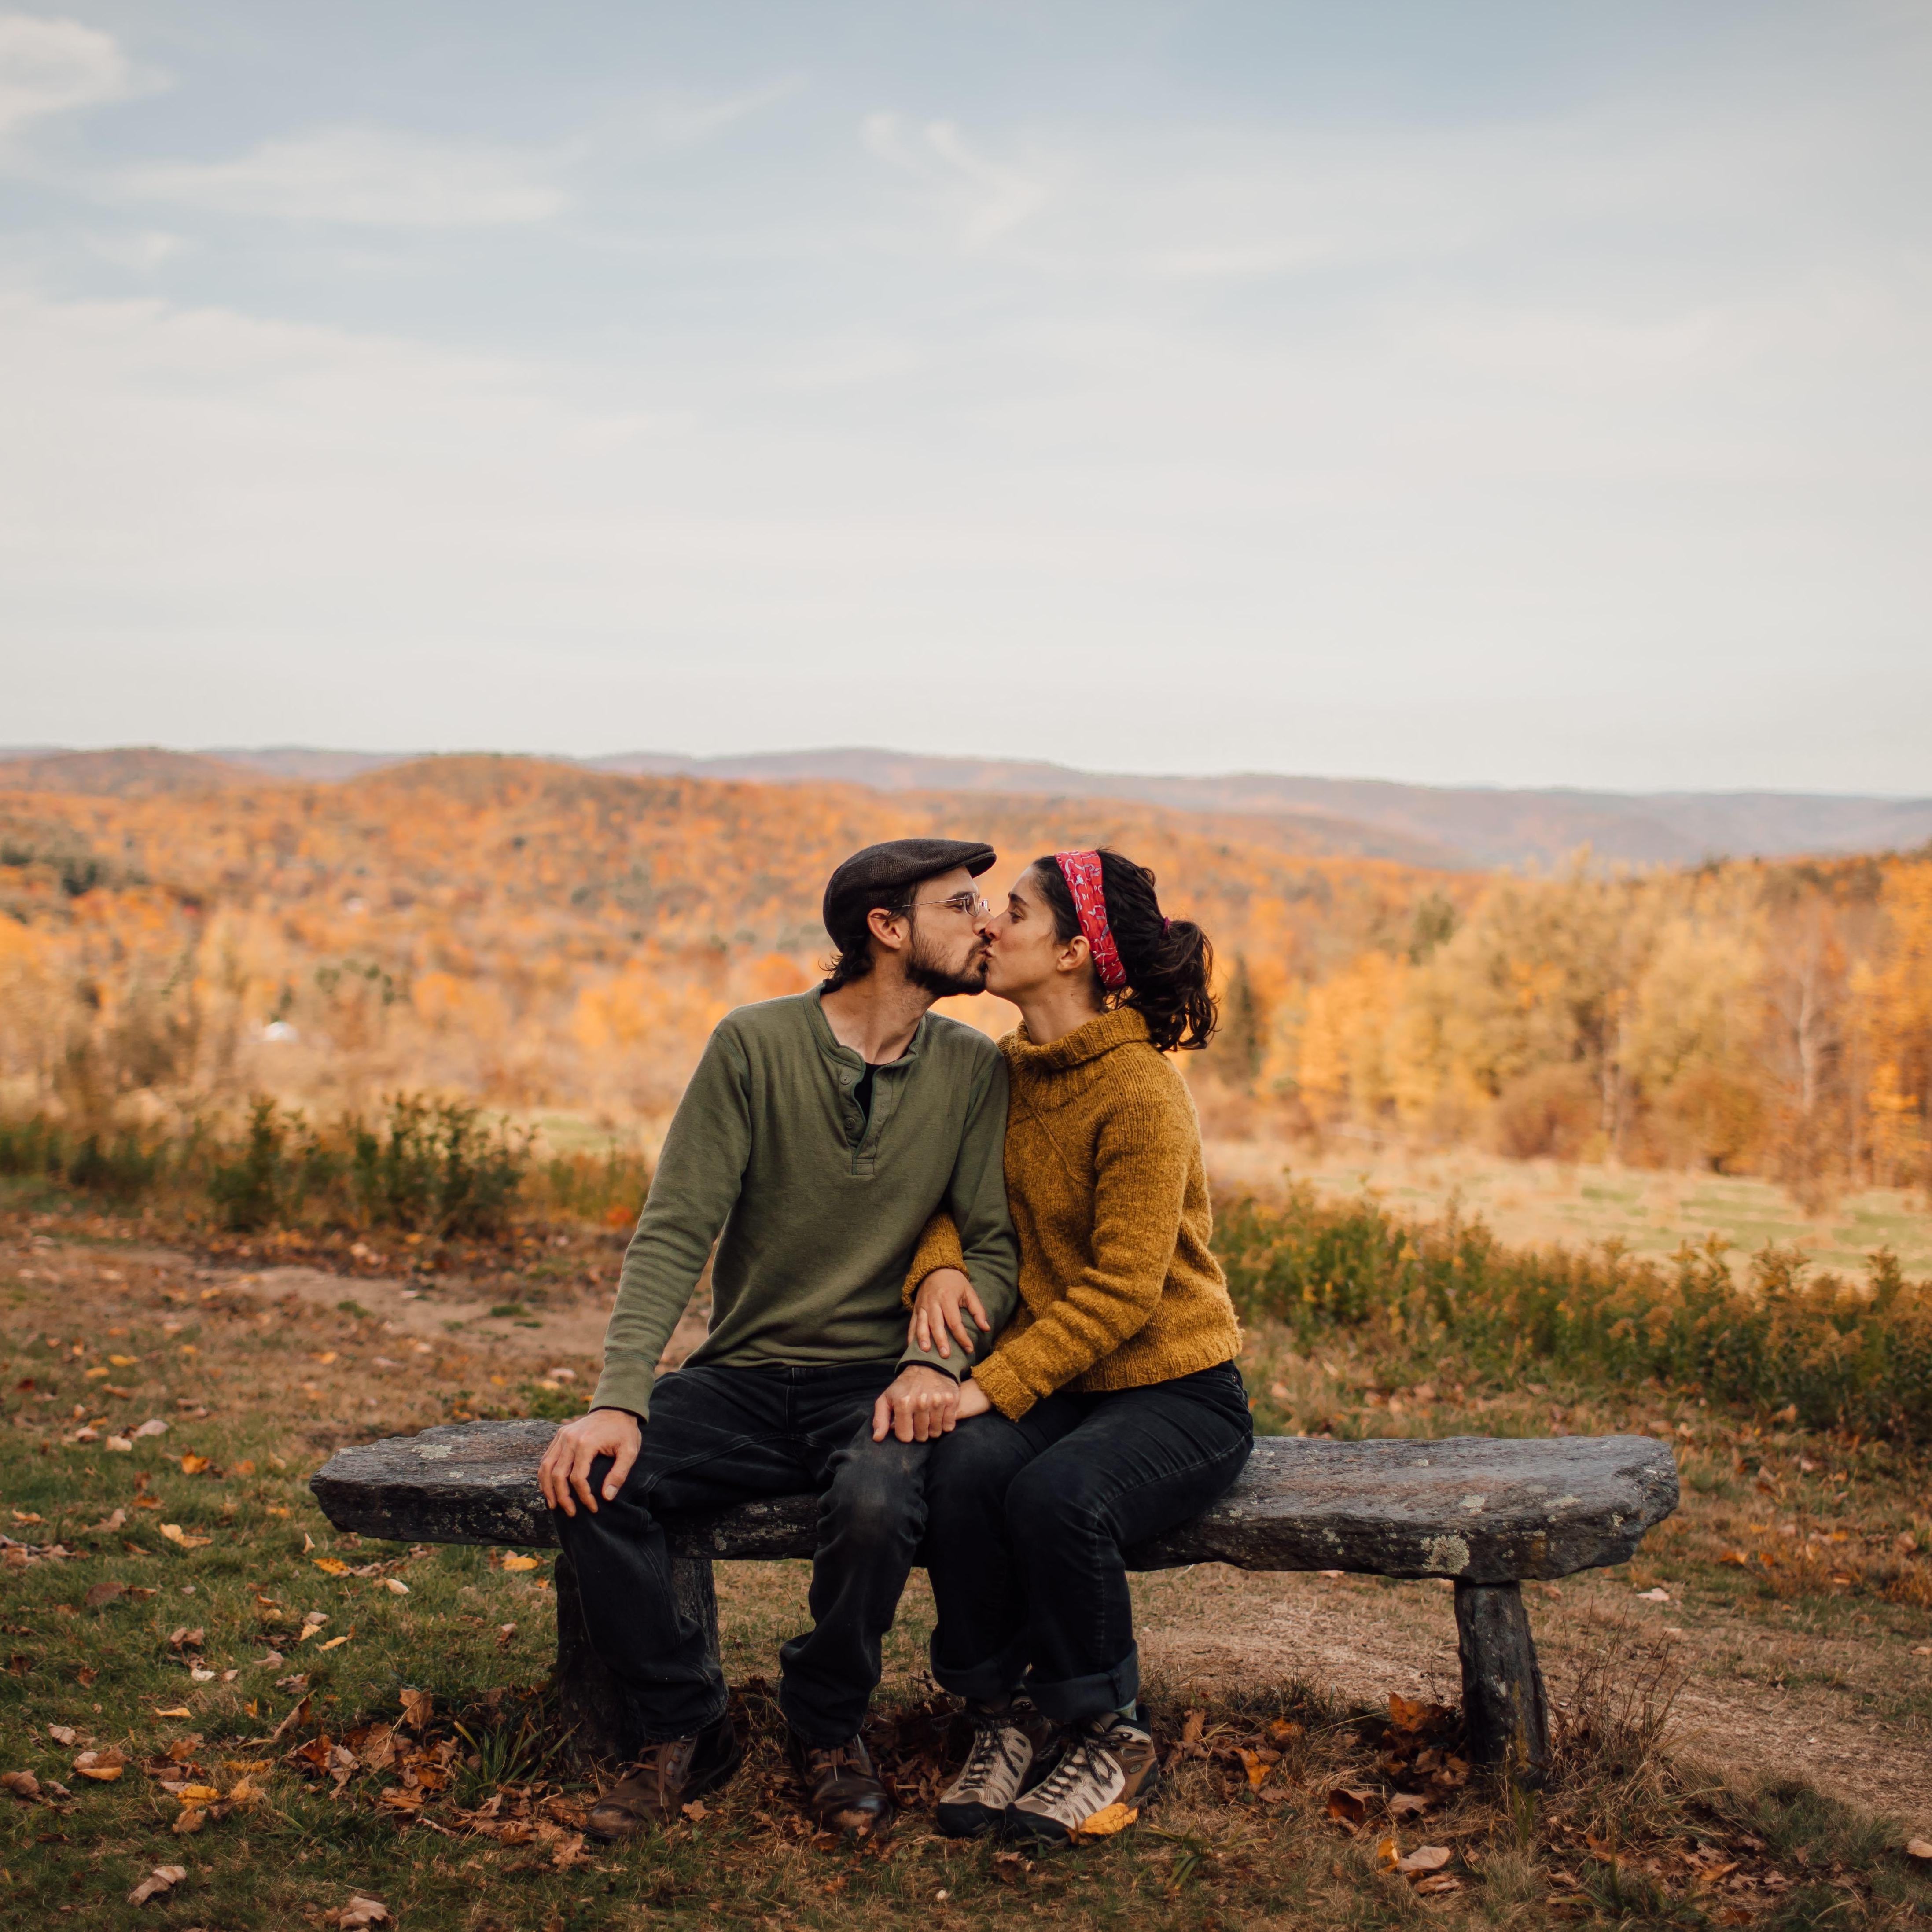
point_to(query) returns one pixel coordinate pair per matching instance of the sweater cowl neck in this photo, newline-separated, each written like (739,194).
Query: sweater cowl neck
(1102,1034)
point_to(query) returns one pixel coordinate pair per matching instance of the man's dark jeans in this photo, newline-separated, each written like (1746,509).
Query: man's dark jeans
(719,1435)
(1027,1523)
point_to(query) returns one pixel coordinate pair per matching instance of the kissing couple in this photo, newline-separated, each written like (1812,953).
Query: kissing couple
(964,1294)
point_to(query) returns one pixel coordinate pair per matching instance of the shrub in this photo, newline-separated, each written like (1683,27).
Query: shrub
(1832,1354)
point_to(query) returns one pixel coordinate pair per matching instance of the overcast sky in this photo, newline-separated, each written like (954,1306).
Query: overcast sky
(1490,392)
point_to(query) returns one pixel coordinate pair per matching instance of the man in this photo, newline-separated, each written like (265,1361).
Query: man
(819,1133)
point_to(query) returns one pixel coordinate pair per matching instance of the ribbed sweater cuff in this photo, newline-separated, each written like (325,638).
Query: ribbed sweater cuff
(1004,1390)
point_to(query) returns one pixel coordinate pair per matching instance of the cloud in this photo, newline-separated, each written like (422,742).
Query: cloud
(53,66)
(987,199)
(363,177)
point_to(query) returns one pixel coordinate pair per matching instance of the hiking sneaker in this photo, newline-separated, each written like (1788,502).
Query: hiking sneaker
(1008,1741)
(1110,1761)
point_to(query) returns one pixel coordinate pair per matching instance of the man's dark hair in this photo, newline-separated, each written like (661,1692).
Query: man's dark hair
(854,959)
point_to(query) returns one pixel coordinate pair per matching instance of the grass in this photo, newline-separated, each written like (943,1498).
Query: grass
(1649,1212)
(256,1391)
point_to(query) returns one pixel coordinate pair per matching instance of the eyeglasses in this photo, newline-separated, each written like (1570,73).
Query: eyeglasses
(969,905)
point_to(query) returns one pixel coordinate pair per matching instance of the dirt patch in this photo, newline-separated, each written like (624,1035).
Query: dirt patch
(1214,1630)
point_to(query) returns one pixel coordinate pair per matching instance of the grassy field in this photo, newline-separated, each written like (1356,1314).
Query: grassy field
(295,1720)
(1531,1203)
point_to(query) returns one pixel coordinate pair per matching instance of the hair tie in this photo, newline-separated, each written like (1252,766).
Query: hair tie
(1166,927)
(1081,871)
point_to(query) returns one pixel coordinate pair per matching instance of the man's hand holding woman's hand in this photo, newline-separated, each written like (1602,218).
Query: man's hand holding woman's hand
(923,1404)
(945,1299)
(564,1474)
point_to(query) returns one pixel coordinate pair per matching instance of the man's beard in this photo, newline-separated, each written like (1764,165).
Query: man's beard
(931,975)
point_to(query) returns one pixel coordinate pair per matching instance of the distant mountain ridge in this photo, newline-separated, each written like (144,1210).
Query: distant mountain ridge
(1427,825)
(1480,826)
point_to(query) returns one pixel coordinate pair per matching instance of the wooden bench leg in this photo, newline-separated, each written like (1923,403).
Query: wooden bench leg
(1504,1706)
(590,1698)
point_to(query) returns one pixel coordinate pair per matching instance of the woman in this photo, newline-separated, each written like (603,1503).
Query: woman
(1111,1409)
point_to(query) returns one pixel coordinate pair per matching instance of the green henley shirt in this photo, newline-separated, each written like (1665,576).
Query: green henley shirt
(820,1208)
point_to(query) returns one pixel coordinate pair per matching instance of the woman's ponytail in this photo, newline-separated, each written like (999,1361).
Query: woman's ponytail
(1169,963)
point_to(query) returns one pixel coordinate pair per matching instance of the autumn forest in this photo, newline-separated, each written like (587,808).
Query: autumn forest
(557,943)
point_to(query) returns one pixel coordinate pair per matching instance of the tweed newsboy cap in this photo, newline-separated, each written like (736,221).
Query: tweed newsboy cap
(897,863)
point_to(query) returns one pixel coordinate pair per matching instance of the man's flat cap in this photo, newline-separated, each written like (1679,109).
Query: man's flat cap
(851,891)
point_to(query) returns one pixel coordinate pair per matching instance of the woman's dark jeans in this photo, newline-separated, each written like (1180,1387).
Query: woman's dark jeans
(1028,1522)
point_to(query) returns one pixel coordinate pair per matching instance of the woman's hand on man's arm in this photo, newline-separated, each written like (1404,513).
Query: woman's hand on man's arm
(946,1298)
(565,1467)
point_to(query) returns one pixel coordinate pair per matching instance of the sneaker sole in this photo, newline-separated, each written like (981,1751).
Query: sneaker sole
(966,1821)
(1030,1827)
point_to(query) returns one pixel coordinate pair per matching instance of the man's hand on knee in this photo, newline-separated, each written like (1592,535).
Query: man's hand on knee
(564,1474)
(918,1406)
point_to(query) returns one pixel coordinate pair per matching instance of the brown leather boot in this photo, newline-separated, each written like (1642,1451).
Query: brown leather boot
(842,1791)
(665,1780)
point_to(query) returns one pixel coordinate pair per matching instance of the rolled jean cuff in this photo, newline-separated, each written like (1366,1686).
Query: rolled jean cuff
(1077,1699)
(983,1683)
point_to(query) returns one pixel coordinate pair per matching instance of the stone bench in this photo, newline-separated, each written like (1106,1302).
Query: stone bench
(1489,1515)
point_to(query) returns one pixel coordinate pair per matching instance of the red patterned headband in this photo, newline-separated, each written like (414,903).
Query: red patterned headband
(1081,871)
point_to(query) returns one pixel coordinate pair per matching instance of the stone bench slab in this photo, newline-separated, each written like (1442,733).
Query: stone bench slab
(1477,1509)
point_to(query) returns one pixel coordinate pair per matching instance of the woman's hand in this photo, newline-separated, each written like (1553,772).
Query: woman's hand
(944,1299)
(614,1432)
(973,1401)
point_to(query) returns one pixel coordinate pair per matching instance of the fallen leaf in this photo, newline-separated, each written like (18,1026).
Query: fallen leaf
(1424,1858)
(358,1913)
(179,1711)
(334,1641)
(1407,1804)
(695,1811)
(28,1516)
(198,1675)
(1348,1805)
(23,1784)
(402,1797)
(98,1593)
(1282,1731)
(154,1425)
(118,1520)
(332,1566)
(1256,1766)
(1406,1714)
(244,1793)
(62,1734)
(1105,1823)
(1191,1730)
(394,1585)
(192,1464)
(569,1852)
(119,1445)
(102,1773)
(192,1819)
(182,1638)
(418,1708)
(1918,1848)
(1442,1882)
(1659,1595)
(293,1721)
(520,1563)
(163,1878)
(176,1534)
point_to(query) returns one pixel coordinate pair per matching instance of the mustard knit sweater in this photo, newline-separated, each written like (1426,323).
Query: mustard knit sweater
(1108,1196)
